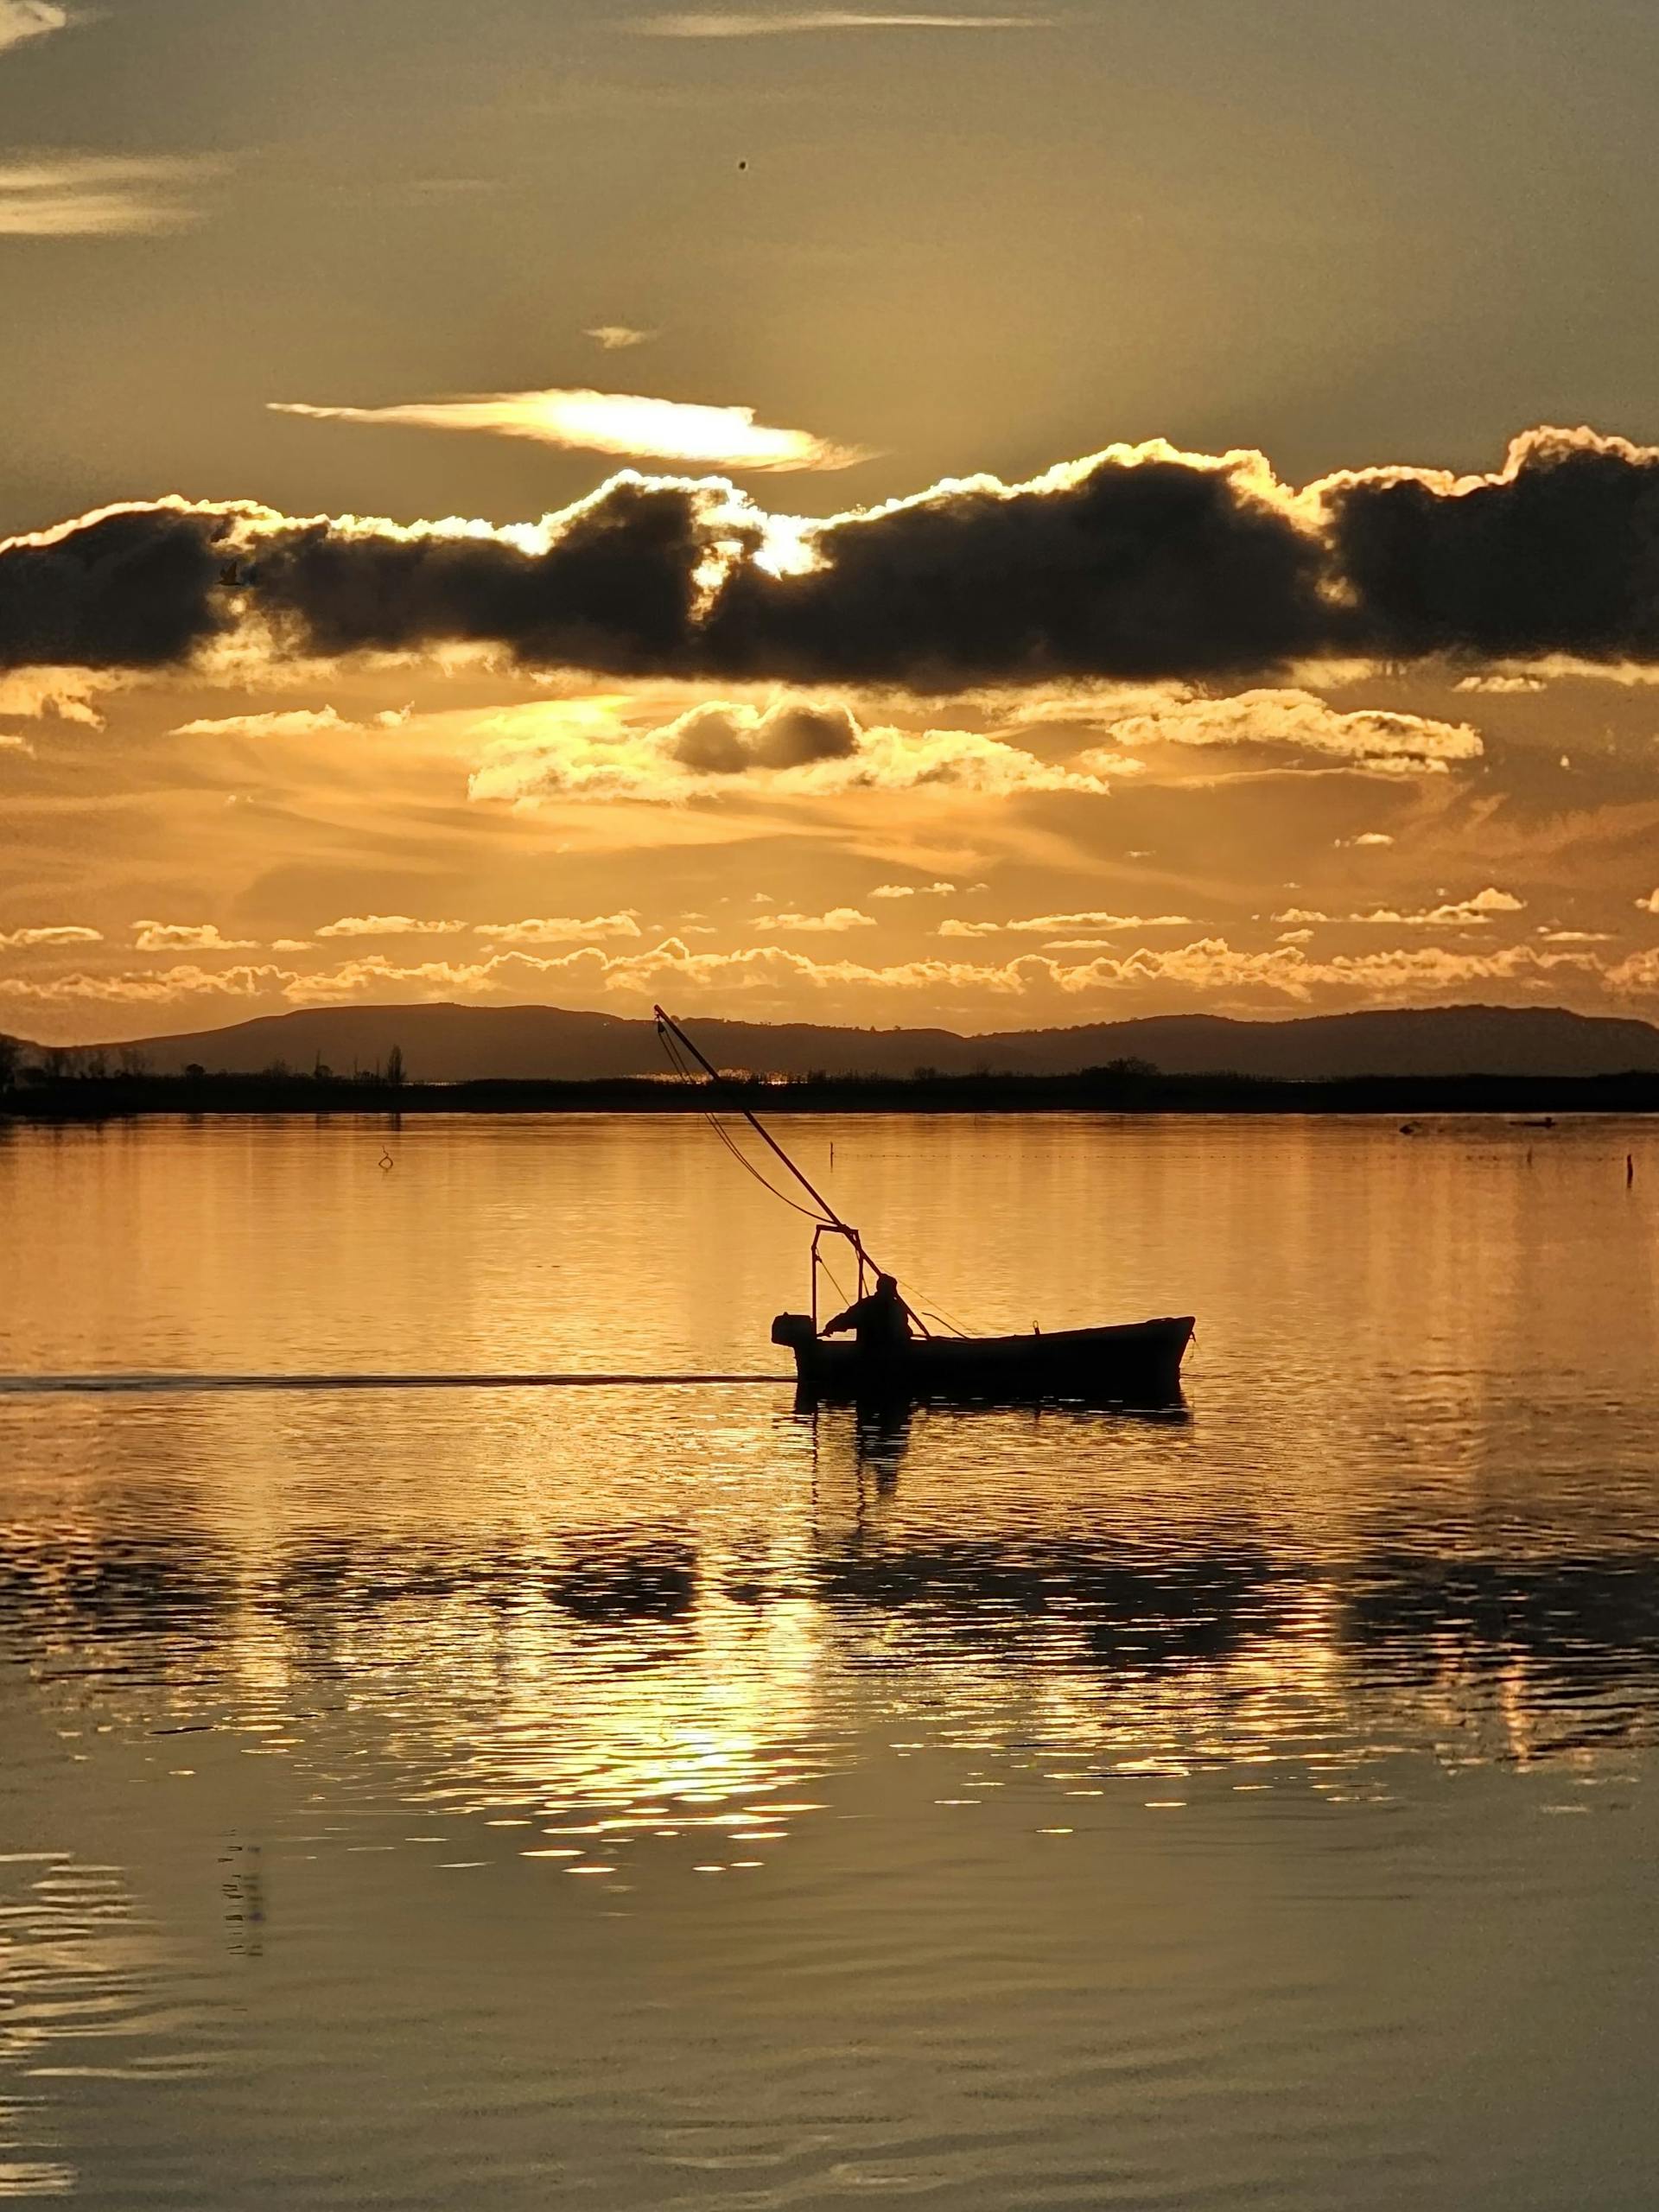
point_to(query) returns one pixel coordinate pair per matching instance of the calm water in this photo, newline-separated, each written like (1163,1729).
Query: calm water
(654,1799)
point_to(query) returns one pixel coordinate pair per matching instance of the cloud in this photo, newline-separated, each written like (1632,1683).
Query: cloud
(387,925)
(50,933)
(1299,722)
(1050,925)
(792,748)
(615,337)
(1138,563)
(835,922)
(1651,903)
(1210,968)
(1497,682)
(793,23)
(64,695)
(608,421)
(296,721)
(941,889)
(1365,837)
(22,19)
(61,196)
(722,740)
(185,937)
(1460,913)
(560,929)
(9,742)
(154,987)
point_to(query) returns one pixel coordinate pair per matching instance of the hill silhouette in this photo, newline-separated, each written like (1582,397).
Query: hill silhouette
(455,1044)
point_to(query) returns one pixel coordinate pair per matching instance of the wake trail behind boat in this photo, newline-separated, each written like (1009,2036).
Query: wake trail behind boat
(34,1386)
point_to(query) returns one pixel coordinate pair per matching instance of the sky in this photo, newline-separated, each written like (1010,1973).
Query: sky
(992,517)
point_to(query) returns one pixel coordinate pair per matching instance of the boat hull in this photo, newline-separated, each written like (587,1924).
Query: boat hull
(1137,1364)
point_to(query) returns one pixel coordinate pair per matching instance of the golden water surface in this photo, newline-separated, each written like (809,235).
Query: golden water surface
(656,1797)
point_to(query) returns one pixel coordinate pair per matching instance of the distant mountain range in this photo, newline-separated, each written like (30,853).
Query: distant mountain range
(450,1044)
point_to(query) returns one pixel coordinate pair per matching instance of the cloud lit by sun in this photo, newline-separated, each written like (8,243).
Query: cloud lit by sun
(626,424)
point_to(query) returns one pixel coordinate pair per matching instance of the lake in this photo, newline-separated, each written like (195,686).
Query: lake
(655,1797)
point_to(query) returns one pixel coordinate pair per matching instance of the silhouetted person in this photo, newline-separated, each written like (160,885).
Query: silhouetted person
(881,1322)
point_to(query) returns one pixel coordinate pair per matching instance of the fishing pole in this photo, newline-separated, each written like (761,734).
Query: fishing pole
(667,1026)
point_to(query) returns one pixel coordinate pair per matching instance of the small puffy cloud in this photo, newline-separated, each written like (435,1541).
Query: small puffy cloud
(22,19)
(11,742)
(939,890)
(1365,837)
(1637,974)
(1299,723)
(60,196)
(387,925)
(621,422)
(616,337)
(1302,914)
(186,937)
(833,923)
(560,929)
(576,751)
(719,740)
(1497,681)
(1651,903)
(48,934)
(294,721)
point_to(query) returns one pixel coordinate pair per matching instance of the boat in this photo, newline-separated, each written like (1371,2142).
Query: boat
(1132,1363)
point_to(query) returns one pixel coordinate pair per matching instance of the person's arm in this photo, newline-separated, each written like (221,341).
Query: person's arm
(847,1320)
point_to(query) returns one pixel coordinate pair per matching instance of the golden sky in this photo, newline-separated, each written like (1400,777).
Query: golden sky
(977,517)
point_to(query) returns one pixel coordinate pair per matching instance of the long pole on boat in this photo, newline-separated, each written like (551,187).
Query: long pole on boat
(667,1022)
(832,1220)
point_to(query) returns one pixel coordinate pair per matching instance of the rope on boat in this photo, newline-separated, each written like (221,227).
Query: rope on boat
(677,1062)
(821,1213)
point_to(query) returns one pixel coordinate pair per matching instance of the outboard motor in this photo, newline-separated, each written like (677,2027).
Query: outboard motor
(794,1330)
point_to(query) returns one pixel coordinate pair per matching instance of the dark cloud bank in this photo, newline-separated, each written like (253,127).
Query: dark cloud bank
(1141,562)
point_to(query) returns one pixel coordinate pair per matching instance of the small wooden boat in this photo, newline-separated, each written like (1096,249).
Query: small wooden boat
(1135,1363)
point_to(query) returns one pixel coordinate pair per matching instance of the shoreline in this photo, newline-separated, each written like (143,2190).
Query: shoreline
(91,1099)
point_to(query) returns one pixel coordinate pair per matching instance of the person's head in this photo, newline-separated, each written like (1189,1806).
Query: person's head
(887,1286)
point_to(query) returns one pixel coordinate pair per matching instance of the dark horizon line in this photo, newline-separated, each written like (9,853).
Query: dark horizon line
(1125,1087)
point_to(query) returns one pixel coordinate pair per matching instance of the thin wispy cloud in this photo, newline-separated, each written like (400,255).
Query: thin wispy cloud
(50,933)
(793,22)
(625,424)
(617,337)
(22,19)
(96,195)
